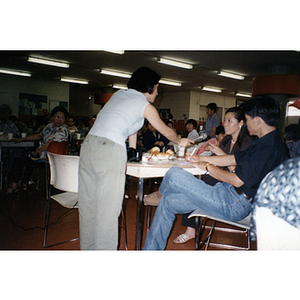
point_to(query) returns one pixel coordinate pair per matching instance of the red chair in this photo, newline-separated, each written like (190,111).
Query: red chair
(59,147)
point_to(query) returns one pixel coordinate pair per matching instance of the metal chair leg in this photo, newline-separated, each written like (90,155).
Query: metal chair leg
(122,224)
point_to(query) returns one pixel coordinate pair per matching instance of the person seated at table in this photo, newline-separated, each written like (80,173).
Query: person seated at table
(56,131)
(292,139)
(7,126)
(170,124)
(82,122)
(237,138)
(191,126)
(40,123)
(220,133)
(21,126)
(231,198)
(85,130)
(71,125)
(152,137)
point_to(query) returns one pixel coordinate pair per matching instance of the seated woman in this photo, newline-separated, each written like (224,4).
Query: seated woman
(236,138)
(220,133)
(56,131)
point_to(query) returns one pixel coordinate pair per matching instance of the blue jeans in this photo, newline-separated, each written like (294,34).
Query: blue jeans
(182,193)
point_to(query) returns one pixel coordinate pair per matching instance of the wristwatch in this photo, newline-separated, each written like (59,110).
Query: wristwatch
(206,167)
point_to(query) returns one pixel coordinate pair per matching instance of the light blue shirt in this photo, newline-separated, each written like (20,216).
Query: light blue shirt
(122,116)
(210,123)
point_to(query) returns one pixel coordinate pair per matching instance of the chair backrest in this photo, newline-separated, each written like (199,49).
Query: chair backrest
(274,233)
(64,172)
(59,147)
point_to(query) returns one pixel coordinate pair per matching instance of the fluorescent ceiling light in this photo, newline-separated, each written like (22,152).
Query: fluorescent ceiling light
(243,95)
(115,73)
(71,80)
(48,62)
(174,63)
(211,89)
(115,51)
(169,82)
(231,75)
(120,87)
(12,72)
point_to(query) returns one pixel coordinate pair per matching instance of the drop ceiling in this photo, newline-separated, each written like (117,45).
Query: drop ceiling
(86,65)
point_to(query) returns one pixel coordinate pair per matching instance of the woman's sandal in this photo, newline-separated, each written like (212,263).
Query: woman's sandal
(181,239)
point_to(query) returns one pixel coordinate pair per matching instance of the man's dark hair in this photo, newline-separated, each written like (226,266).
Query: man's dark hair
(143,80)
(212,106)
(59,108)
(220,129)
(264,107)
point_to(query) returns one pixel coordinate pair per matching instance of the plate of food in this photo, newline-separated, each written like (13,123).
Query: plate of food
(154,155)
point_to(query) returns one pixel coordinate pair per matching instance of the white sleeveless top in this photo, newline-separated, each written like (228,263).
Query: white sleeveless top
(121,116)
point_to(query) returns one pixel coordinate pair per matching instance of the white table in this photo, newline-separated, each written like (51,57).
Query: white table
(144,170)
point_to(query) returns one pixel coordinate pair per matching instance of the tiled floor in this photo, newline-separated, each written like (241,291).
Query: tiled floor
(22,221)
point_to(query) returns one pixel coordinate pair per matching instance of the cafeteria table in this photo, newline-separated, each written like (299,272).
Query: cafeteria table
(144,170)
(10,143)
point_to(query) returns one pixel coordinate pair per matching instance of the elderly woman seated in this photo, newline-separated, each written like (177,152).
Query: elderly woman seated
(56,131)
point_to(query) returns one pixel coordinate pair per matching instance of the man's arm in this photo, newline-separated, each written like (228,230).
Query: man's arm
(218,160)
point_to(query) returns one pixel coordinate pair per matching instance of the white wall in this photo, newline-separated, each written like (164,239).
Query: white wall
(11,86)
(193,104)
(178,102)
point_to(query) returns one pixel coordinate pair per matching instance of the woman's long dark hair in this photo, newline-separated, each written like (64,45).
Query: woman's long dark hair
(240,116)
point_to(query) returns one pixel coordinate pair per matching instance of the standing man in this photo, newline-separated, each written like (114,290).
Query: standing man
(231,198)
(212,121)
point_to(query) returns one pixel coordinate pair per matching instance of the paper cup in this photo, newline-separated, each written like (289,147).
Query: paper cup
(181,151)
(10,136)
(23,134)
(78,136)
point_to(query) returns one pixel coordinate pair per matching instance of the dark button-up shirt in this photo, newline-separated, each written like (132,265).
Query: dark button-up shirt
(260,158)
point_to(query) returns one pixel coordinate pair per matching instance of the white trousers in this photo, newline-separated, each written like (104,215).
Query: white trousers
(100,192)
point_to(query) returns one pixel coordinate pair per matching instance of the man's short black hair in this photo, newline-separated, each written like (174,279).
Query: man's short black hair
(264,107)
(143,80)
(220,129)
(212,106)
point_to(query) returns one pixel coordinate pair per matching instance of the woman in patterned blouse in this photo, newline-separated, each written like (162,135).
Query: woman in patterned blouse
(55,131)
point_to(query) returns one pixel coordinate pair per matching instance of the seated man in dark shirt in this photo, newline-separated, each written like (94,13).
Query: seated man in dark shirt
(152,138)
(230,199)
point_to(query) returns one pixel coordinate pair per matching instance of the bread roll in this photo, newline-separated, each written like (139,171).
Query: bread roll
(170,151)
(154,150)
